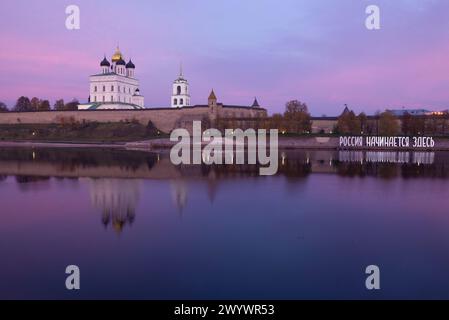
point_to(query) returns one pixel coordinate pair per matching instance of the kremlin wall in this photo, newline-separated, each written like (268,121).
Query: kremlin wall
(114,96)
(165,119)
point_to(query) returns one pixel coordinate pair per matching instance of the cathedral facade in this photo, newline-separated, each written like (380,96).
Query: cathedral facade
(115,87)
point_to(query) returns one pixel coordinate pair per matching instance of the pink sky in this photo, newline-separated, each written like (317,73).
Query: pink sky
(315,51)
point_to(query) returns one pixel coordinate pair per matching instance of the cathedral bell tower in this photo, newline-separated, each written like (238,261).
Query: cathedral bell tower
(180,93)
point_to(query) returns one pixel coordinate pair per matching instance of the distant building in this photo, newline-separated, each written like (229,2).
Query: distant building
(115,87)
(412,112)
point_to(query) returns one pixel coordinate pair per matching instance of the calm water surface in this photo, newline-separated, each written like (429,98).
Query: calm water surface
(139,227)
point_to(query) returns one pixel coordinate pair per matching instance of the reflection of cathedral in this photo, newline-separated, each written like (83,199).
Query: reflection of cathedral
(117,199)
(179,193)
(179,190)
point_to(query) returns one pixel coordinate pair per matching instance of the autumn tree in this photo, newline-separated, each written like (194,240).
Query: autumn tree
(35,103)
(406,124)
(388,124)
(277,122)
(44,105)
(363,120)
(297,117)
(59,105)
(348,123)
(295,106)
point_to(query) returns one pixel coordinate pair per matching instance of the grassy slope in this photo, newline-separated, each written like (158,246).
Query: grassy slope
(77,132)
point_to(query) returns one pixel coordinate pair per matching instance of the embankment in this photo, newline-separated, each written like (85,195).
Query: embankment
(332,143)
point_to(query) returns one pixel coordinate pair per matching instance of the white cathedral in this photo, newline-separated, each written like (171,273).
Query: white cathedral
(115,87)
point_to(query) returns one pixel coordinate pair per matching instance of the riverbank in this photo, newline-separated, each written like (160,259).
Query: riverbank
(300,142)
(158,144)
(36,144)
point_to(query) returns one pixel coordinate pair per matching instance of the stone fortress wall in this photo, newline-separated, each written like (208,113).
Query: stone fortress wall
(165,119)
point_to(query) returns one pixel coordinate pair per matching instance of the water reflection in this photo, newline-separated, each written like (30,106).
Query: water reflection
(116,199)
(387,157)
(31,165)
(179,194)
(325,209)
(115,176)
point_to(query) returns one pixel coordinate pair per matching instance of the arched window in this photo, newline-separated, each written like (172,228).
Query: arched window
(181,101)
(178,90)
(112,98)
(112,88)
(175,102)
(95,88)
(104,88)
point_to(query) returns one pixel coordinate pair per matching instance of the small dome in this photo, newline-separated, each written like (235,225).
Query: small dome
(130,65)
(121,62)
(105,63)
(117,55)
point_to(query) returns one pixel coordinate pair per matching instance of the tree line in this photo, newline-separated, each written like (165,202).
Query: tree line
(386,123)
(296,119)
(24,104)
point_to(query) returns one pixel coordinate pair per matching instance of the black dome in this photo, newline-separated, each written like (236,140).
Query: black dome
(130,65)
(105,63)
(121,62)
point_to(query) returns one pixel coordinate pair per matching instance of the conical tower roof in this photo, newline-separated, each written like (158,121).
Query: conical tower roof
(255,103)
(212,95)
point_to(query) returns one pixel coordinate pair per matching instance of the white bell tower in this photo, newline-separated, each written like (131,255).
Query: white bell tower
(180,94)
